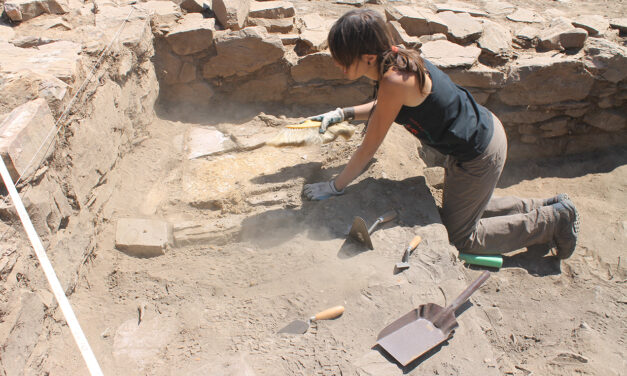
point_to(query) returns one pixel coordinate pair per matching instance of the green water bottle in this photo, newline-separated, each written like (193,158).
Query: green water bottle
(492,261)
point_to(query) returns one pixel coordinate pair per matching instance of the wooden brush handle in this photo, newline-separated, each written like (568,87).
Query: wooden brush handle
(304,125)
(330,313)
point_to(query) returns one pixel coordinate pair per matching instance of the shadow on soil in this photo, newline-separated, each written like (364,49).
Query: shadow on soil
(570,166)
(332,218)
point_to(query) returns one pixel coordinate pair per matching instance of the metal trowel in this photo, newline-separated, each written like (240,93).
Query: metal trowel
(300,327)
(361,233)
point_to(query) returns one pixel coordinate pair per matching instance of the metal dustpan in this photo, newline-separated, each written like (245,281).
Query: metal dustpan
(424,328)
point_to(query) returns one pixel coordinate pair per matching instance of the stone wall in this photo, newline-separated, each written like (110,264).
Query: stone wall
(558,84)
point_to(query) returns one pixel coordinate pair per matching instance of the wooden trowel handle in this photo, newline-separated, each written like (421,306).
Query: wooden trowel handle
(387,216)
(328,314)
(414,242)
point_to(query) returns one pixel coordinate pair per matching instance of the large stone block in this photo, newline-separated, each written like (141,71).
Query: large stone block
(608,120)
(545,79)
(22,133)
(142,237)
(495,42)
(561,34)
(445,54)
(400,36)
(193,34)
(278,25)
(606,59)
(317,66)
(22,10)
(231,14)
(462,27)
(243,52)
(479,76)
(416,21)
(264,88)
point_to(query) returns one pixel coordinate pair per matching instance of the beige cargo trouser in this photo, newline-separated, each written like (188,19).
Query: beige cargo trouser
(481,224)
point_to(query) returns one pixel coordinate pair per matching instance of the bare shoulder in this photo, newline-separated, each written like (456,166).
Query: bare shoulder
(405,86)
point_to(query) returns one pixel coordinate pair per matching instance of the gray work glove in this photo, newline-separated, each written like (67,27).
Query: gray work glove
(321,191)
(329,118)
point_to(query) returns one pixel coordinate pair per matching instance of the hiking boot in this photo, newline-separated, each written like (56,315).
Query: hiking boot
(567,228)
(556,199)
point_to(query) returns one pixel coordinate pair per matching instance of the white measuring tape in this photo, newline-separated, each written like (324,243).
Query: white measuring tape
(59,294)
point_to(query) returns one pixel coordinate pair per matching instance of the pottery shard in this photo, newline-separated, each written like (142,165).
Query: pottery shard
(416,21)
(192,35)
(22,133)
(462,27)
(242,52)
(316,66)
(231,14)
(271,9)
(606,59)
(593,24)
(22,10)
(445,54)
(530,78)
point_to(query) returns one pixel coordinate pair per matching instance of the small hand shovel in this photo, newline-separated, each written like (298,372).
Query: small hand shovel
(361,233)
(404,264)
(422,329)
(300,327)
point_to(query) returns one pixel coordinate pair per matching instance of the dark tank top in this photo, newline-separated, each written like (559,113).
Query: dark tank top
(449,119)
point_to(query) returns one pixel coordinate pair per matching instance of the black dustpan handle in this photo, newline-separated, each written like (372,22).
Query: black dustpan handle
(461,299)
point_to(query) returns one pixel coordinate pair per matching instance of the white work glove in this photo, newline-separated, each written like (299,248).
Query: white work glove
(321,191)
(329,118)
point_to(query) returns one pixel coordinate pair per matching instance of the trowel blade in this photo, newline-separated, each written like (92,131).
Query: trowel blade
(295,327)
(359,232)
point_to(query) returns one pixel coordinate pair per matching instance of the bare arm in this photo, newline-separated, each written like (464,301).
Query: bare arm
(391,96)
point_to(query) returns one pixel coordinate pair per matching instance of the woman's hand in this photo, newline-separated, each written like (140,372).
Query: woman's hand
(321,191)
(329,118)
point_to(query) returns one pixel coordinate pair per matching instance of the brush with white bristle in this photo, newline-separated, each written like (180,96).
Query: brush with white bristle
(308,133)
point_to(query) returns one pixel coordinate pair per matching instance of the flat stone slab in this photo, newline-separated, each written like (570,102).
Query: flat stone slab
(445,54)
(271,9)
(193,34)
(525,15)
(205,141)
(22,133)
(59,59)
(142,237)
(460,7)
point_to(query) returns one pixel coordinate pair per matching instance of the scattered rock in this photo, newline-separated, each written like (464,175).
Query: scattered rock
(525,15)
(620,24)
(499,7)
(416,21)
(495,42)
(562,34)
(195,6)
(462,28)
(606,59)
(193,34)
(22,133)
(271,9)
(434,176)
(445,54)
(595,25)
(400,36)
(231,13)
(142,237)
(23,10)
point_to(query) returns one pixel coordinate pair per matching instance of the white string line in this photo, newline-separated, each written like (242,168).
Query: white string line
(59,294)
